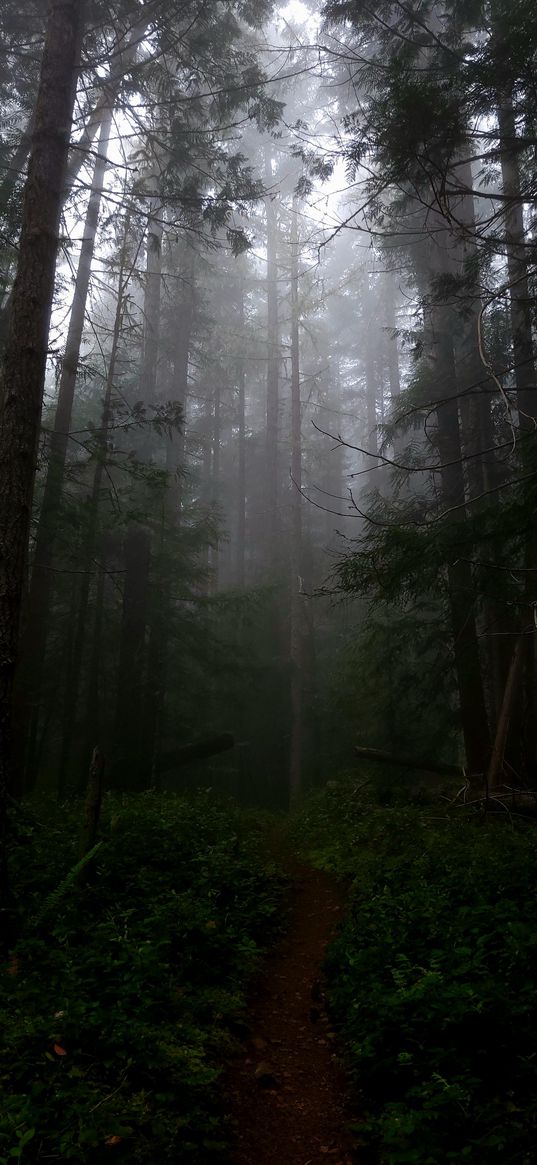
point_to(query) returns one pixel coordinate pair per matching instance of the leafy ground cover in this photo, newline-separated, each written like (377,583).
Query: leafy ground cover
(433,978)
(121,1000)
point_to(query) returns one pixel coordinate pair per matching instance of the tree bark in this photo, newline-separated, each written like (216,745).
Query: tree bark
(392,351)
(17,164)
(93,720)
(297,631)
(80,149)
(129,768)
(215,479)
(33,643)
(92,809)
(273,376)
(495,769)
(241,463)
(461,589)
(525,375)
(371,394)
(134,730)
(24,363)
(90,541)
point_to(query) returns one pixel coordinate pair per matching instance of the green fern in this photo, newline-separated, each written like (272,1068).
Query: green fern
(53,901)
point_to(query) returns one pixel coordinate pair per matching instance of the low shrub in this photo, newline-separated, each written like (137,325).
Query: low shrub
(119,1002)
(433,978)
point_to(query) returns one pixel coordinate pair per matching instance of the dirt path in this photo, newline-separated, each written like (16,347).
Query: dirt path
(287,1092)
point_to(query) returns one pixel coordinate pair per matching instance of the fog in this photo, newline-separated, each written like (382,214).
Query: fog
(282,409)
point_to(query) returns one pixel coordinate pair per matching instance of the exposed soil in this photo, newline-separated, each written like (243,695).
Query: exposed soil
(287,1091)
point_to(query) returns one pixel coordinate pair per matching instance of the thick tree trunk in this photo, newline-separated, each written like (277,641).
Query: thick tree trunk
(521,301)
(478,439)
(33,643)
(81,148)
(23,370)
(462,597)
(439,259)
(495,769)
(525,373)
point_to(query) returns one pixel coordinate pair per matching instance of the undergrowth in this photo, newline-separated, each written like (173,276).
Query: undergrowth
(121,1000)
(432,980)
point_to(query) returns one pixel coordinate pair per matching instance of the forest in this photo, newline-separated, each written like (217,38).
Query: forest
(268,669)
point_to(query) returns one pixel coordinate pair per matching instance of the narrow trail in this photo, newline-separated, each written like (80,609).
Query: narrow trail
(287,1091)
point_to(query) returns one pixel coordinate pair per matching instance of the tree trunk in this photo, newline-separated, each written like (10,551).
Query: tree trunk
(520,297)
(215,480)
(81,148)
(273,377)
(154,688)
(92,808)
(525,374)
(241,462)
(495,769)
(175,451)
(152,298)
(16,165)
(371,395)
(130,769)
(297,630)
(392,351)
(93,726)
(462,597)
(90,541)
(33,643)
(133,747)
(482,470)
(23,370)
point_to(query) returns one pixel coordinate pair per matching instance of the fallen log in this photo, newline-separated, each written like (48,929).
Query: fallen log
(198,750)
(408,762)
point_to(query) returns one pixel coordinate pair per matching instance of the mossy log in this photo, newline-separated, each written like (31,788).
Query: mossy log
(198,750)
(420,764)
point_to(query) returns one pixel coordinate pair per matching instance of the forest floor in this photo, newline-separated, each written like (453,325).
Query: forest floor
(287,1091)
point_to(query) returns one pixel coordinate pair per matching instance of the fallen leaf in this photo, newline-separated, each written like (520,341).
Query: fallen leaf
(59,1050)
(115,1140)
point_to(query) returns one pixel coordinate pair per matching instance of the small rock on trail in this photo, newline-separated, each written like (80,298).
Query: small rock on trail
(286,1092)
